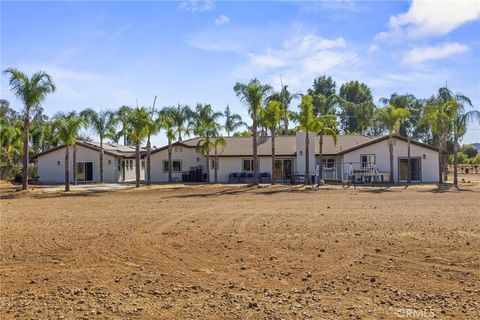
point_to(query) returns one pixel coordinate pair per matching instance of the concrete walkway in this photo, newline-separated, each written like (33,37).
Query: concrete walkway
(91,187)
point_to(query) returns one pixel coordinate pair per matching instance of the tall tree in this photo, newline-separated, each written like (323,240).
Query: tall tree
(410,127)
(233,121)
(167,123)
(285,97)
(67,126)
(122,118)
(326,125)
(439,113)
(323,93)
(153,126)
(392,117)
(306,122)
(102,123)
(271,117)
(32,92)
(357,108)
(218,142)
(206,127)
(181,115)
(138,131)
(460,123)
(252,96)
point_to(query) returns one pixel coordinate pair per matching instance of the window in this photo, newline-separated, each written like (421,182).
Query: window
(328,162)
(248,165)
(109,162)
(119,164)
(212,163)
(130,164)
(367,160)
(143,164)
(84,171)
(176,166)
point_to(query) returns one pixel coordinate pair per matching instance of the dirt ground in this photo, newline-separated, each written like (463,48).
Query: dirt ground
(234,252)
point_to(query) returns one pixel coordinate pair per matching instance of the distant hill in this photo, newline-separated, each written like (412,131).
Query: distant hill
(477,146)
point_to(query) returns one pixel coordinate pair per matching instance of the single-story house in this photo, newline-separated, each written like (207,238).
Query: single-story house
(351,157)
(118,163)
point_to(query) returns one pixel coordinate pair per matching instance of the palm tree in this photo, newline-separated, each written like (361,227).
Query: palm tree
(307,123)
(167,123)
(460,122)
(138,131)
(68,126)
(32,92)
(252,95)
(392,118)
(219,142)
(181,115)
(153,127)
(285,97)
(439,113)
(206,127)
(325,125)
(102,123)
(271,117)
(122,118)
(233,121)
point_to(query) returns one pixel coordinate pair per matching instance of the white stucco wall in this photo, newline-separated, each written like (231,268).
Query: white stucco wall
(300,161)
(50,171)
(429,165)
(188,157)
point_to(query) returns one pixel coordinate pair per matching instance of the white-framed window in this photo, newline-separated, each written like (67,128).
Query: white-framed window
(328,162)
(176,166)
(367,160)
(130,164)
(247,165)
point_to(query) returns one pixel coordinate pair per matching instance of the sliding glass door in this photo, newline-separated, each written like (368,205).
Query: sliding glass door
(84,171)
(415,169)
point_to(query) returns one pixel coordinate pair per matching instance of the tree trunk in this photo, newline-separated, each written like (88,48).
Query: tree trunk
(455,161)
(208,164)
(409,177)
(307,151)
(101,159)
(273,156)
(137,164)
(149,151)
(390,150)
(74,163)
(170,160)
(440,163)
(254,137)
(26,130)
(320,158)
(215,162)
(285,123)
(445,167)
(67,169)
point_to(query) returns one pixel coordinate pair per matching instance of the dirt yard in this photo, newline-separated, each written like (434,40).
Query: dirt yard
(231,252)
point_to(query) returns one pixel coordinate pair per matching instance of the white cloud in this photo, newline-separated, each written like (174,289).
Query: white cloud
(429,17)
(444,50)
(196,5)
(222,19)
(373,48)
(298,60)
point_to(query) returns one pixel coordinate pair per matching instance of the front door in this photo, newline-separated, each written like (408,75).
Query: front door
(415,169)
(84,171)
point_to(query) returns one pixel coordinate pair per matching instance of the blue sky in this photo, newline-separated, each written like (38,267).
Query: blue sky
(108,54)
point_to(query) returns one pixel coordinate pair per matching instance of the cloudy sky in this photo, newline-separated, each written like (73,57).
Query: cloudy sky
(107,54)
